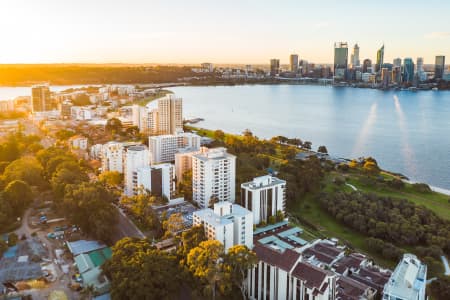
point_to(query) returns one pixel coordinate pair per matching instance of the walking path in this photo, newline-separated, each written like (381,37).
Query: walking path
(352,186)
(446,266)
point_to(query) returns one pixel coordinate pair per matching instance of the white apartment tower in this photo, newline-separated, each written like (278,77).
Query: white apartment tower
(170,114)
(158,179)
(213,176)
(183,161)
(135,158)
(264,196)
(230,224)
(163,147)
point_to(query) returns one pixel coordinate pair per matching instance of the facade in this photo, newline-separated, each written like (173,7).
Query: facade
(439,67)
(293,60)
(274,66)
(163,147)
(135,158)
(183,161)
(213,176)
(408,70)
(380,59)
(355,56)
(40,98)
(170,115)
(78,142)
(340,60)
(367,63)
(230,224)
(112,157)
(264,196)
(408,281)
(158,179)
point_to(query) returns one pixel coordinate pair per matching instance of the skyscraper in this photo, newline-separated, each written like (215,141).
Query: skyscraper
(355,56)
(340,59)
(439,67)
(367,63)
(408,70)
(135,157)
(397,62)
(293,59)
(274,66)
(380,59)
(40,98)
(170,114)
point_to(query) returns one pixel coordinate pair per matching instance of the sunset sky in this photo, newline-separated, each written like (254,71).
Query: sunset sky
(246,31)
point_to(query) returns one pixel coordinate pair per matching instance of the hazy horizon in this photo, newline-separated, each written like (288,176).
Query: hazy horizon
(232,32)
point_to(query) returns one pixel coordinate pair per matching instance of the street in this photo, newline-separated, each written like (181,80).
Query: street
(126,228)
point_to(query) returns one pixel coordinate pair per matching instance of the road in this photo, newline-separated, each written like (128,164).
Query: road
(126,228)
(446,266)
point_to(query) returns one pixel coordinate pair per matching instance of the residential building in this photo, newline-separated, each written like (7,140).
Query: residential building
(293,60)
(40,98)
(380,59)
(213,176)
(397,62)
(135,158)
(274,66)
(183,161)
(208,67)
(408,281)
(367,63)
(112,157)
(439,67)
(170,115)
(157,179)
(163,147)
(78,142)
(340,60)
(229,223)
(408,70)
(264,196)
(80,113)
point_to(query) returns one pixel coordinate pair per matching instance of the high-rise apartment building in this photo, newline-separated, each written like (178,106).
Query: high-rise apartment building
(213,176)
(340,60)
(380,59)
(408,281)
(408,70)
(157,179)
(274,66)
(112,157)
(439,67)
(293,59)
(355,56)
(264,196)
(183,161)
(135,157)
(40,98)
(228,223)
(170,115)
(163,147)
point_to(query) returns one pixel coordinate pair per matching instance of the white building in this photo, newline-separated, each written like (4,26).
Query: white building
(163,147)
(112,157)
(264,196)
(213,176)
(280,274)
(96,151)
(135,158)
(408,282)
(81,113)
(170,115)
(183,161)
(157,179)
(78,142)
(230,224)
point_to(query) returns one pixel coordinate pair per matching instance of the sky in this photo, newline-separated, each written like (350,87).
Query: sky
(240,32)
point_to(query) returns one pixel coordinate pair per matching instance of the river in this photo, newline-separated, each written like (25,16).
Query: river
(407,132)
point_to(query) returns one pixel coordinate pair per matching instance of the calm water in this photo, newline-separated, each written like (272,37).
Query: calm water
(406,132)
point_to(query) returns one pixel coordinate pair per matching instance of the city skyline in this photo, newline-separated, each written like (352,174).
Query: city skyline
(51,31)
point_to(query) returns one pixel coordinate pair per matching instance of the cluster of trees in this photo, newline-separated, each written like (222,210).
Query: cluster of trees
(115,128)
(440,288)
(8,115)
(394,220)
(90,74)
(140,208)
(139,271)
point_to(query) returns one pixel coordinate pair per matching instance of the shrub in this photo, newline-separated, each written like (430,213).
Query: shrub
(421,187)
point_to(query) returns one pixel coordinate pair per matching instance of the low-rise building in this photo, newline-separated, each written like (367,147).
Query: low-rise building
(78,142)
(157,179)
(230,224)
(164,147)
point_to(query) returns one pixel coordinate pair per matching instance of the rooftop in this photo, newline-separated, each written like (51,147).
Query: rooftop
(284,260)
(214,153)
(312,275)
(263,182)
(350,289)
(84,246)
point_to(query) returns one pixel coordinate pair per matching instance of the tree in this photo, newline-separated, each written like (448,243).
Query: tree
(279,216)
(19,195)
(26,169)
(173,224)
(440,288)
(138,271)
(371,168)
(322,149)
(240,259)
(207,264)
(219,135)
(89,206)
(65,177)
(111,178)
(3,247)
(185,185)
(81,100)
(190,239)
(307,145)
(12,239)
(113,126)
